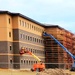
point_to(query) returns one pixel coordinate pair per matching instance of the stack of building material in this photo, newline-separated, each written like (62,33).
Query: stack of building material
(53,72)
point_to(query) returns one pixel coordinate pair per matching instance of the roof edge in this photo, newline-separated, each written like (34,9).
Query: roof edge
(21,15)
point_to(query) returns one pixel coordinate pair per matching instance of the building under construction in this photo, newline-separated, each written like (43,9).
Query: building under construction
(54,53)
(19,31)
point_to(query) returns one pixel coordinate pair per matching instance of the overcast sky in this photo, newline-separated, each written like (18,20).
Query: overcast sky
(58,12)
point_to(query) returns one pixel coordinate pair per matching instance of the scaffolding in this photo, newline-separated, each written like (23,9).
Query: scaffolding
(53,52)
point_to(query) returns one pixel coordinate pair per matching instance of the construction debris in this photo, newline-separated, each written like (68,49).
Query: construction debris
(53,72)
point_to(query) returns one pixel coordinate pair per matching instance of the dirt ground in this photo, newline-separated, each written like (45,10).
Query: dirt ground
(16,72)
(46,72)
(70,72)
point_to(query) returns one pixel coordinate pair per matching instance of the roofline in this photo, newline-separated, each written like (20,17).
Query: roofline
(23,16)
(56,26)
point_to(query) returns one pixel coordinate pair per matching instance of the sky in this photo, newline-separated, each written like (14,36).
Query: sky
(55,12)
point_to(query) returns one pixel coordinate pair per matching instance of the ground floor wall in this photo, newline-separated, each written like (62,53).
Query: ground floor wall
(6,57)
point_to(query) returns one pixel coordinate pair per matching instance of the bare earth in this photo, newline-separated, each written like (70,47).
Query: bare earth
(16,72)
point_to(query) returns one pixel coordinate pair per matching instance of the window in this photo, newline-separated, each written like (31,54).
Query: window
(23,23)
(32,26)
(28,37)
(22,61)
(31,50)
(36,29)
(39,40)
(20,22)
(34,61)
(26,61)
(9,20)
(9,34)
(10,61)
(21,35)
(29,62)
(35,50)
(10,47)
(35,39)
(28,25)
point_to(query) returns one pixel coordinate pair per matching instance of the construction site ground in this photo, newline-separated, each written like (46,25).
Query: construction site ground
(26,72)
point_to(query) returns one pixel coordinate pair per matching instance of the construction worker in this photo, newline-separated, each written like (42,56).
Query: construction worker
(22,50)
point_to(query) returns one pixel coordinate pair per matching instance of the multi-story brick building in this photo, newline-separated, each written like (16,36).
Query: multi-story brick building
(17,31)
